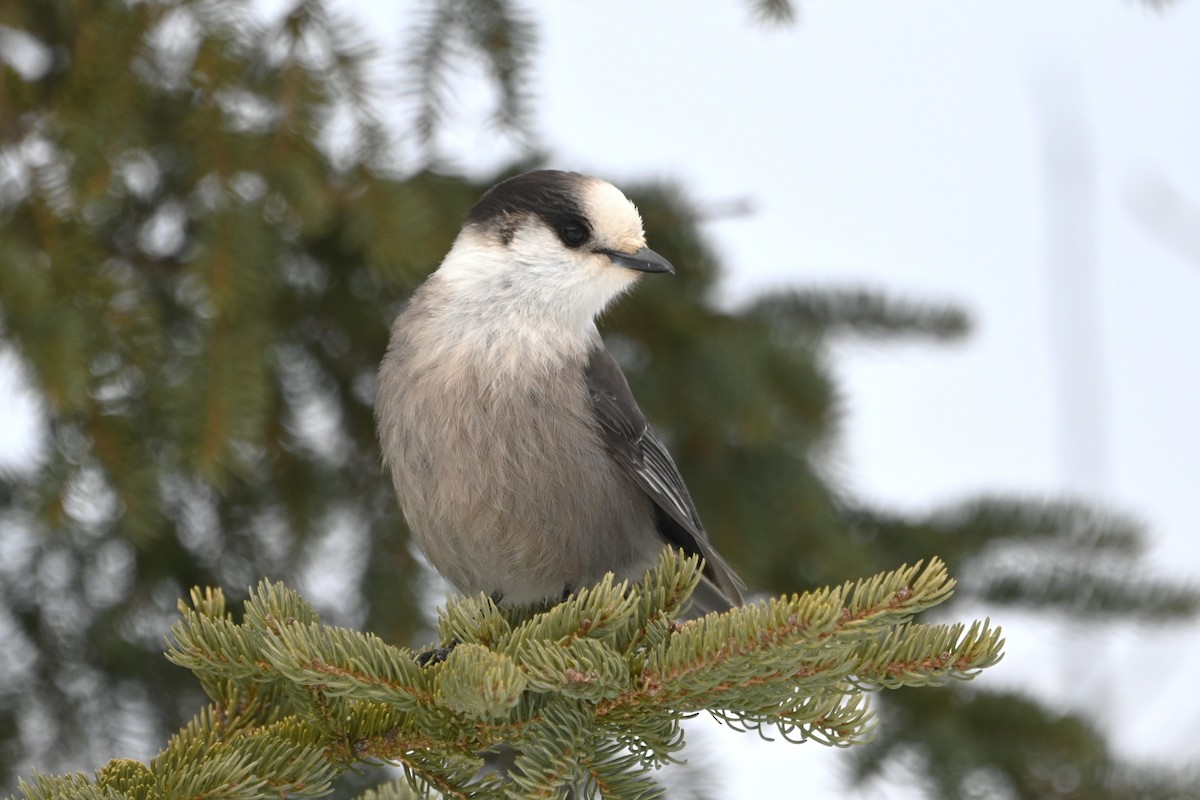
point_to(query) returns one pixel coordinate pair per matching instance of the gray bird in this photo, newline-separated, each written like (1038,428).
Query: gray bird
(522,462)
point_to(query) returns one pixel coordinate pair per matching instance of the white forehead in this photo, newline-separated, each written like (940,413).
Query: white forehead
(615,219)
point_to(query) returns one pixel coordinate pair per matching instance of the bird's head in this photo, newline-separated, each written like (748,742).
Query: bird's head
(551,243)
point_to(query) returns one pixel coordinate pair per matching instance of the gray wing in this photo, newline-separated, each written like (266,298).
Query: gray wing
(636,448)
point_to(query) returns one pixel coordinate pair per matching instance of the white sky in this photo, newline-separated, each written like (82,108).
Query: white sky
(903,145)
(908,145)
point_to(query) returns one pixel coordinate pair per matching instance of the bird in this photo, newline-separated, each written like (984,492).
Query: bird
(522,463)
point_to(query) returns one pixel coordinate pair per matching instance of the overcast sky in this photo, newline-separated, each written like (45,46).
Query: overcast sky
(950,151)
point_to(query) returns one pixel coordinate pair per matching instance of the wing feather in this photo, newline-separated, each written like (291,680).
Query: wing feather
(639,451)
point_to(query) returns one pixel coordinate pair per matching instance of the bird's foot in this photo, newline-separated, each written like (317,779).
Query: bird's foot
(436,655)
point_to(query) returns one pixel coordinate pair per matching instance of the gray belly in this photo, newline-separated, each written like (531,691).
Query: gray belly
(512,491)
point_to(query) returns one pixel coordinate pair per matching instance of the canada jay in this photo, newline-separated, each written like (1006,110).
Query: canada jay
(522,462)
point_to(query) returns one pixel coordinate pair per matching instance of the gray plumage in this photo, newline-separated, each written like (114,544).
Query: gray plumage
(522,462)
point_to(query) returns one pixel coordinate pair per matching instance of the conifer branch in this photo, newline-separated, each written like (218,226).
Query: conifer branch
(588,693)
(447,31)
(773,12)
(864,314)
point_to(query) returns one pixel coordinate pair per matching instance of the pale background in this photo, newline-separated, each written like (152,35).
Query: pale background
(1036,162)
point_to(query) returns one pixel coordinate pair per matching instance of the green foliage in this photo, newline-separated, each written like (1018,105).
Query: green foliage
(813,316)
(1042,754)
(198,279)
(395,790)
(588,694)
(228,751)
(494,30)
(1027,554)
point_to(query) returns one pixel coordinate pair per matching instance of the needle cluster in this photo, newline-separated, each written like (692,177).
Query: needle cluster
(587,695)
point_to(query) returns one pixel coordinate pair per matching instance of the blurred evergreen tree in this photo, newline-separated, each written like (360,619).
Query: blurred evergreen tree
(204,236)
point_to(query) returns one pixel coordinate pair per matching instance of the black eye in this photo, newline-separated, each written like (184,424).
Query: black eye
(572,234)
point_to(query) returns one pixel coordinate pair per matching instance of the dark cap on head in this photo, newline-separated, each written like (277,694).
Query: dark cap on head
(551,194)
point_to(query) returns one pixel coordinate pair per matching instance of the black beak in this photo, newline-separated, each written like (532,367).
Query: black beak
(644,260)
